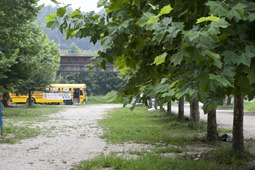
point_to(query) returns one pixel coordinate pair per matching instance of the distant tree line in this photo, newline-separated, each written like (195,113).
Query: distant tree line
(98,83)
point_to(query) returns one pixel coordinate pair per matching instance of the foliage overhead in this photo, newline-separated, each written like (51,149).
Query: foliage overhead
(198,48)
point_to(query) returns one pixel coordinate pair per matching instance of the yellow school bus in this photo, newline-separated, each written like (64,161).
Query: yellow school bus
(55,93)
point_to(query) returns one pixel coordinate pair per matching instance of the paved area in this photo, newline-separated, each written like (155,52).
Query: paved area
(225,119)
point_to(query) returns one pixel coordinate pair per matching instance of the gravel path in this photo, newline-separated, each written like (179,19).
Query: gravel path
(73,137)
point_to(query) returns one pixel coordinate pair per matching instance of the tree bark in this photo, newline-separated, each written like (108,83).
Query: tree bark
(194,111)
(212,133)
(150,103)
(161,108)
(229,100)
(29,98)
(238,139)
(156,104)
(181,108)
(169,108)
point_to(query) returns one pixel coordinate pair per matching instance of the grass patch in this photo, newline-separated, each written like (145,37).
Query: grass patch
(167,137)
(108,98)
(249,106)
(225,107)
(141,126)
(225,155)
(148,162)
(33,114)
(13,134)
(23,116)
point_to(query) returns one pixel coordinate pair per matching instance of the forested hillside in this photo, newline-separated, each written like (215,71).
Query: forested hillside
(59,38)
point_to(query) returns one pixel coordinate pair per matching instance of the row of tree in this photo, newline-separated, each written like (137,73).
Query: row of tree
(203,50)
(98,83)
(28,60)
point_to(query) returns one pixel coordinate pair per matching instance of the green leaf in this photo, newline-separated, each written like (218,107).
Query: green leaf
(51,17)
(217,8)
(244,83)
(160,59)
(102,3)
(55,2)
(165,10)
(76,14)
(152,20)
(237,12)
(230,57)
(193,35)
(214,56)
(61,11)
(120,62)
(203,80)
(176,59)
(210,18)
(220,80)
(251,76)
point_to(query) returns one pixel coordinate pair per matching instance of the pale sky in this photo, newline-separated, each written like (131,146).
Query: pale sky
(85,5)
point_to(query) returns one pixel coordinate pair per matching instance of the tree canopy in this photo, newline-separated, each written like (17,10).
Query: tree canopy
(28,58)
(203,50)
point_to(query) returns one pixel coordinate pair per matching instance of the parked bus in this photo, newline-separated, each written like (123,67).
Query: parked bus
(55,93)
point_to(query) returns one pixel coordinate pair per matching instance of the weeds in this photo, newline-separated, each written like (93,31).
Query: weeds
(108,98)
(140,126)
(148,162)
(24,116)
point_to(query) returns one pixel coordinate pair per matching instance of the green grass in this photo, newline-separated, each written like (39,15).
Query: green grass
(141,126)
(148,162)
(225,107)
(225,155)
(13,134)
(23,117)
(108,98)
(250,106)
(166,136)
(33,114)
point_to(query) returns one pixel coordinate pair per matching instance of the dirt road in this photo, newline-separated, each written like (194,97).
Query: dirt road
(74,135)
(70,137)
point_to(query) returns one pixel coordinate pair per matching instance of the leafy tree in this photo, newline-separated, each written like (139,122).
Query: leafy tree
(57,36)
(74,50)
(14,15)
(40,62)
(98,83)
(202,58)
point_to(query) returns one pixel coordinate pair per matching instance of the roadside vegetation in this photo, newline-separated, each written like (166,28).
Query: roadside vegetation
(103,99)
(250,106)
(174,144)
(17,121)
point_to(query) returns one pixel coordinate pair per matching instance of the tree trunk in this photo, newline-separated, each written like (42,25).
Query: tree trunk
(150,103)
(161,108)
(169,108)
(29,98)
(212,133)
(181,108)
(238,139)
(156,104)
(194,111)
(229,100)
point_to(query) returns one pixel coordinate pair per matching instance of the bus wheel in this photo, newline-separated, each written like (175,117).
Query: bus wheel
(68,102)
(32,101)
